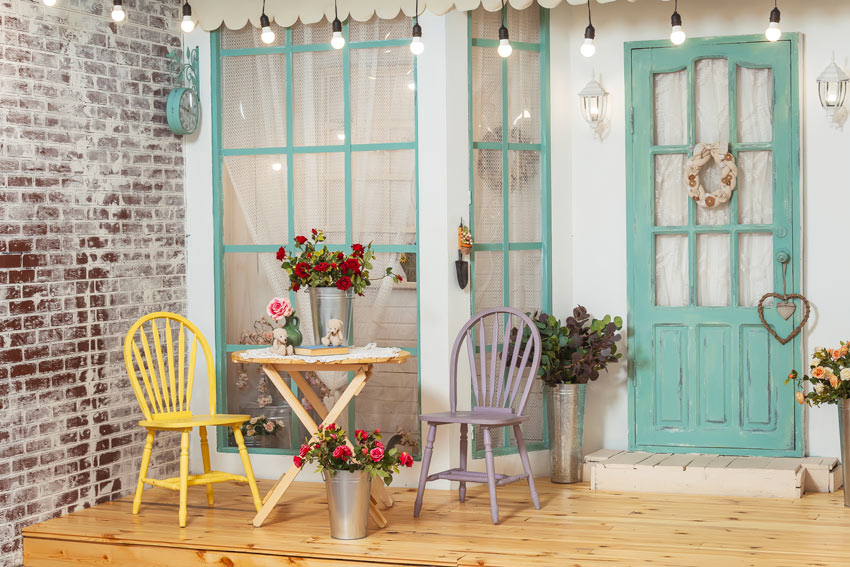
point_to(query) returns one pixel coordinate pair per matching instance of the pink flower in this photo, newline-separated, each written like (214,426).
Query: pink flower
(342,452)
(376,454)
(379,445)
(405,459)
(269,426)
(278,308)
(304,450)
(359,434)
(298,462)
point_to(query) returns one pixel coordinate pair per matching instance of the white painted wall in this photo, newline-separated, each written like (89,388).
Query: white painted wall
(597,177)
(588,198)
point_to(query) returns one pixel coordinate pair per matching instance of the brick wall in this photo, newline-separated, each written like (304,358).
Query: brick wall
(91,237)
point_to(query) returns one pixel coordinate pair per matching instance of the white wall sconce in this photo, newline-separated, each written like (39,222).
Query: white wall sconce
(593,101)
(832,88)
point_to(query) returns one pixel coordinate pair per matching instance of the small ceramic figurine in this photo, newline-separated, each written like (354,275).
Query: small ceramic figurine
(279,345)
(334,336)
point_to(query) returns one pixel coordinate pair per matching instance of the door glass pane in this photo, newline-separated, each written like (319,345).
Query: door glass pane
(524,97)
(755,105)
(319,195)
(710,177)
(671,270)
(486,95)
(526,280)
(524,196)
(488,268)
(712,100)
(255,208)
(755,187)
(383,195)
(253,101)
(317,106)
(671,108)
(488,195)
(382,95)
(755,267)
(671,197)
(713,277)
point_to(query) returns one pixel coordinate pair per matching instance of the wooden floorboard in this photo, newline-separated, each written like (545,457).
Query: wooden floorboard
(575,527)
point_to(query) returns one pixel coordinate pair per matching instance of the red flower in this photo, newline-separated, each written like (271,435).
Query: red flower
(304,450)
(281,253)
(340,256)
(301,240)
(342,452)
(322,267)
(376,454)
(377,432)
(330,427)
(379,445)
(302,270)
(298,462)
(295,287)
(360,435)
(352,265)
(358,249)
(343,283)
(405,459)
(315,232)
(401,279)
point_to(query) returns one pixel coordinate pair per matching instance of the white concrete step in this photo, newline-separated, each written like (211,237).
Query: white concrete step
(720,475)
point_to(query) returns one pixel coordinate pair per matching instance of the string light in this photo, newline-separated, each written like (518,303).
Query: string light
(267,34)
(118,11)
(588,47)
(337,40)
(505,48)
(188,24)
(677,35)
(773,33)
(49,2)
(416,45)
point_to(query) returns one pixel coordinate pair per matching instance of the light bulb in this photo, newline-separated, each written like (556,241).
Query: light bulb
(49,2)
(678,36)
(188,24)
(277,166)
(267,35)
(773,33)
(416,45)
(588,47)
(118,11)
(505,48)
(337,41)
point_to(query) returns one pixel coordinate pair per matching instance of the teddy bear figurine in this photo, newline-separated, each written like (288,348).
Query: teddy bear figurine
(334,336)
(279,345)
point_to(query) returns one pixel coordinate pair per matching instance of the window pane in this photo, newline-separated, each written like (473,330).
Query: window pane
(250,281)
(320,194)
(249,37)
(247,388)
(523,24)
(712,100)
(671,195)
(671,108)
(318,109)
(486,95)
(255,208)
(378,29)
(755,187)
(253,101)
(524,196)
(526,271)
(319,32)
(488,269)
(713,277)
(485,24)
(524,97)
(755,267)
(755,105)
(383,195)
(487,194)
(382,95)
(671,270)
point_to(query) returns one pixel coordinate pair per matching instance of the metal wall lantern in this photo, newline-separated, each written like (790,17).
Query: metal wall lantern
(832,88)
(593,100)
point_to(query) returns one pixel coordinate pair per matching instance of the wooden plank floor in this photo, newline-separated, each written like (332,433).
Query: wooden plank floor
(575,527)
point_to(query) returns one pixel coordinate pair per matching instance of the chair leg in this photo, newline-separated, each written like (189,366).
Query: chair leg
(423,476)
(523,455)
(491,474)
(246,464)
(205,455)
(184,476)
(143,471)
(461,491)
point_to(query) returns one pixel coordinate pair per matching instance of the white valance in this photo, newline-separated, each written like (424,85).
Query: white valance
(234,14)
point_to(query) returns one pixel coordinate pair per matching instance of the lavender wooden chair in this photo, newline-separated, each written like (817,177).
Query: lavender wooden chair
(501,384)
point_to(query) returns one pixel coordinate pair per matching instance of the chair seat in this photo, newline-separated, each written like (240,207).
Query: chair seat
(186,422)
(482,416)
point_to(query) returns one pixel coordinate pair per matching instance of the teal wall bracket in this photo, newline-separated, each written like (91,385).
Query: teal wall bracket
(185,71)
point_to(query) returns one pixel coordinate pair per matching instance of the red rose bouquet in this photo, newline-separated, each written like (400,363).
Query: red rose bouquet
(330,451)
(315,266)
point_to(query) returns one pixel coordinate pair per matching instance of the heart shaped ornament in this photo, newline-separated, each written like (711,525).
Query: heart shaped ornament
(785,309)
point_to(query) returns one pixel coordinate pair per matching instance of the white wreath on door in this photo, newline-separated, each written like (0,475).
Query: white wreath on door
(703,153)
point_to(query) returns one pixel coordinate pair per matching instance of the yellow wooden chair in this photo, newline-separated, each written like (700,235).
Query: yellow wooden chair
(164,394)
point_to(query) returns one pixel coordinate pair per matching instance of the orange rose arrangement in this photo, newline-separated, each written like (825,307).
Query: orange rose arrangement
(829,375)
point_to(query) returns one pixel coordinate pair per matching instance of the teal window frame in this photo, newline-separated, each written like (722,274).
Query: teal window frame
(221,250)
(506,246)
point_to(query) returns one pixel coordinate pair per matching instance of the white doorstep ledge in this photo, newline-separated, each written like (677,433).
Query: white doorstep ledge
(719,475)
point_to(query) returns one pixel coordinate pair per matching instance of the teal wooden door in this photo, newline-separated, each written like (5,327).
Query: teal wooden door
(705,375)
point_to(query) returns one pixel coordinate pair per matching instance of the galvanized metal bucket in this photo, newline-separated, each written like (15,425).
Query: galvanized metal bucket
(328,303)
(844,434)
(565,409)
(348,503)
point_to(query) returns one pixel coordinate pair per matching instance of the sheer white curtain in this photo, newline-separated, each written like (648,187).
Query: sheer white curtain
(754,193)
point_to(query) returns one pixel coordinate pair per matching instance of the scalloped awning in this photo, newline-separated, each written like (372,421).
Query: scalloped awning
(234,14)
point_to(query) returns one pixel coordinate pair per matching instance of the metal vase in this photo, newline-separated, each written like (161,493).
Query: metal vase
(565,409)
(328,303)
(348,503)
(844,435)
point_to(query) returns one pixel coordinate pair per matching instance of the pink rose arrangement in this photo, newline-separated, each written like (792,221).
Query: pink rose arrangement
(829,376)
(262,425)
(329,450)
(279,308)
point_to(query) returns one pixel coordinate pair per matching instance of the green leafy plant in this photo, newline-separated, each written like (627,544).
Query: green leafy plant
(575,352)
(330,451)
(830,376)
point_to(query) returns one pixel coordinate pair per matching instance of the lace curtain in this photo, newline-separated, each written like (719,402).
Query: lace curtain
(383,198)
(754,193)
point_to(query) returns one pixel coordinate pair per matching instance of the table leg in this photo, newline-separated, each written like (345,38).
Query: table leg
(353,389)
(379,489)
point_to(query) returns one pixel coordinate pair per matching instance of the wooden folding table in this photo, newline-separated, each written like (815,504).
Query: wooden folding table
(294,366)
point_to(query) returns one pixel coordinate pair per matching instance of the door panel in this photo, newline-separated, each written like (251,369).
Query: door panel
(706,376)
